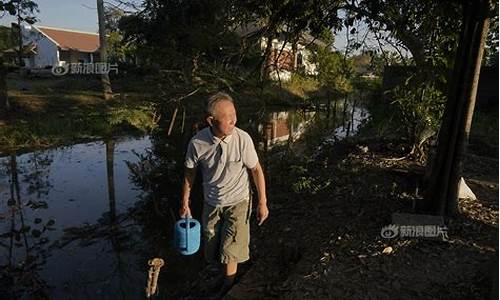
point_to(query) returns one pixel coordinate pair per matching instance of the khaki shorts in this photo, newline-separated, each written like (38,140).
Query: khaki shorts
(226,232)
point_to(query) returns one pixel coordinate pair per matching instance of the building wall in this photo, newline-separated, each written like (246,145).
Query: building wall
(307,60)
(287,61)
(282,126)
(46,49)
(68,56)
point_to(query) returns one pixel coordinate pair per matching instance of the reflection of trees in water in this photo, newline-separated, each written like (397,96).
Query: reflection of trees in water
(117,229)
(26,241)
(37,178)
(159,172)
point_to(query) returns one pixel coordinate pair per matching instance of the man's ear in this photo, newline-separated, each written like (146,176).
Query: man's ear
(210,120)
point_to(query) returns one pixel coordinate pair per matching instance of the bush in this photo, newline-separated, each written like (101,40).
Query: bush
(421,107)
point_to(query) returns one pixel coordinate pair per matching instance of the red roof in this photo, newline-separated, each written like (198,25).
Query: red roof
(74,40)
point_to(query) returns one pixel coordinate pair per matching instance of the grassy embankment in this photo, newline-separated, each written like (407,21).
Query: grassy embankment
(49,111)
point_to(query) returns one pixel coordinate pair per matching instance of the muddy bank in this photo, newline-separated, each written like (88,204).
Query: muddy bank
(325,242)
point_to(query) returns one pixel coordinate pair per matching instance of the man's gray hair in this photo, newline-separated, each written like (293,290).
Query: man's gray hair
(214,99)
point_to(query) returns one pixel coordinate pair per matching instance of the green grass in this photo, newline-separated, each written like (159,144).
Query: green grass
(52,111)
(83,124)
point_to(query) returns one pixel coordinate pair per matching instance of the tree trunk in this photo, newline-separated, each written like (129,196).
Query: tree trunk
(344,112)
(328,111)
(441,196)
(4,100)
(110,149)
(266,58)
(352,113)
(334,112)
(106,83)
(20,38)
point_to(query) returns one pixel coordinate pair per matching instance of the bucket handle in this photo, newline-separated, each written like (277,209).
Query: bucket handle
(186,221)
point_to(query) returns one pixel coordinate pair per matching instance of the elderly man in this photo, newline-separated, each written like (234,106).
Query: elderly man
(224,153)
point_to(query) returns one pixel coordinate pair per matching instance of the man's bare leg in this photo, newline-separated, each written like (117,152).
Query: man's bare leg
(231,268)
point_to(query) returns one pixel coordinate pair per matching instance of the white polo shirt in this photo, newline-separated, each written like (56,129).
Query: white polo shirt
(224,164)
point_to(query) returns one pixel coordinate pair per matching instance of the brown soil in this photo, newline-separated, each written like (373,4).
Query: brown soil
(328,245)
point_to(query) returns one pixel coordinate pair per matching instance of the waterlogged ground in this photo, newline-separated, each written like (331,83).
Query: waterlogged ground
(81,221)
(65,225)
(326,243)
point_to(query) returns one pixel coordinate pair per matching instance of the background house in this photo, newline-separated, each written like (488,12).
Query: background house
(293,58)
(286,57)
(56,46)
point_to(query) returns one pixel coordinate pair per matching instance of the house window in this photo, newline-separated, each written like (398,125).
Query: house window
(64,55)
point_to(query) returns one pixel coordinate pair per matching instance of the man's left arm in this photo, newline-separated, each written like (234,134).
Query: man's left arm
(260,183)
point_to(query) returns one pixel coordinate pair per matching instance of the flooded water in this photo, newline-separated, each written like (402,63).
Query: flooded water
(64,221)
(81,221)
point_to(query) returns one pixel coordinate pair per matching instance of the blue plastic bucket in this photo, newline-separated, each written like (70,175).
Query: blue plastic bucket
(187,234)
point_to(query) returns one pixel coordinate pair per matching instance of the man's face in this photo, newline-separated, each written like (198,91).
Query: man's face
(225,119)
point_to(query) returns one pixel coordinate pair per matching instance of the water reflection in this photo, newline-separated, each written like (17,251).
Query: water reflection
(353,117)
(338,119)
(81,221)
(25,239)
(284,127)
(66,224)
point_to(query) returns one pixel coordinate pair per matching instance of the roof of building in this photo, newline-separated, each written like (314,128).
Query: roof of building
(252,29)
(71,39)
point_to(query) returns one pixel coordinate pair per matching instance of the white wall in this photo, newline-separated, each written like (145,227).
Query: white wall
(285,75)
(46,49)
(309,66)
(70,56)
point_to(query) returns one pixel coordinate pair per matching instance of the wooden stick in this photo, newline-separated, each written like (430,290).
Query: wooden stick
(154,271)
(172,121)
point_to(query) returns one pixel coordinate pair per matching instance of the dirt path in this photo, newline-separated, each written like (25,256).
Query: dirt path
(328,244)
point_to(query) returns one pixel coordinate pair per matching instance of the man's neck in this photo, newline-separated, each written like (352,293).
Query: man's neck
(216,133)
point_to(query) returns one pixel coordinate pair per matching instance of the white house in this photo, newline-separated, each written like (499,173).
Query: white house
(56,46)
(290,59)
(283,61)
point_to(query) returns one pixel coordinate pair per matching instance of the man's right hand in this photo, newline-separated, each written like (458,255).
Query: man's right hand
(185,212)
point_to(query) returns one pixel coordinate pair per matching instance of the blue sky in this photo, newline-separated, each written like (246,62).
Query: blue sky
(70,14)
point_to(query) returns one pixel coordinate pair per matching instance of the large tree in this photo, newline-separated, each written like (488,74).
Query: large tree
(188,37)
(106,83)
(428,29)
(443,184)
(4,100)
(195,33)
(24,11)
(287,20)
